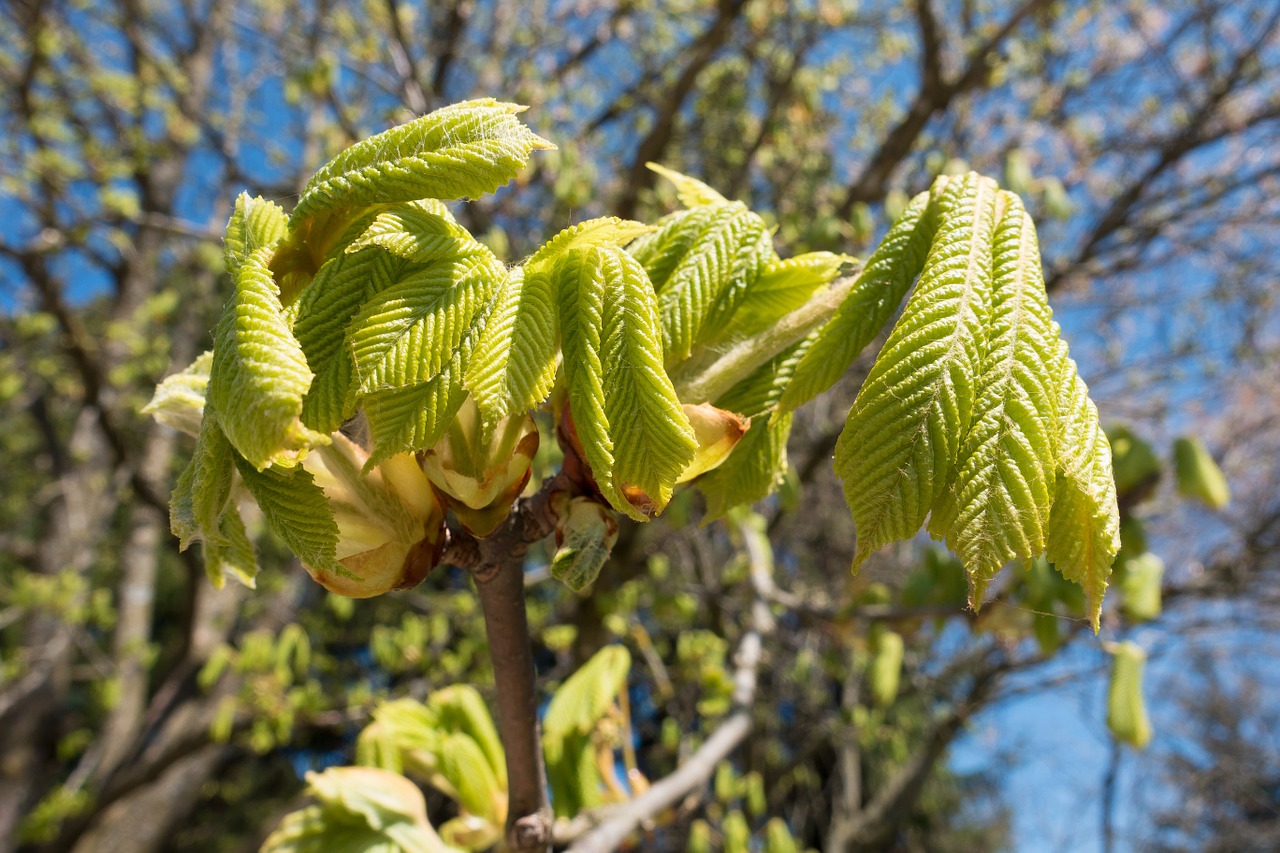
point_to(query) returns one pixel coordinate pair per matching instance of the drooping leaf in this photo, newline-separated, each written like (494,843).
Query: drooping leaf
(876,293)
(203,487)
(179,399)
(1084,522)
(296,510)
(325,310)
(464,764)
(1126,710)
(902,436)
(416,416)
(406,334)
(997,506)
(705,288)
(753,470)
(259,375)
(662,250)
(460,151)
(636,438)
(255,224)
(691,191)
(1141,600)
(420,232)
(460,708)
(232,553)
(604,231)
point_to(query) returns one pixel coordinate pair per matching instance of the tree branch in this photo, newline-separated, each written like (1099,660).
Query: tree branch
(619,822)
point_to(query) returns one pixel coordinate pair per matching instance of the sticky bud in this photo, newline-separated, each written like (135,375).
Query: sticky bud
(390,524)
(585,534)
(717,432)
(480,472)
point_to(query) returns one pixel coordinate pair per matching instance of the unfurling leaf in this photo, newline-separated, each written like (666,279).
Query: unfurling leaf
(1198,475)
(179,398)
(1126,709)
(585,534)
(691,191)
(464,150)
(360,808)
(1084,522)
(634,435)
(255,224)
(259,374)
(478,475)
(997,505)
(902,436)
(1140,588)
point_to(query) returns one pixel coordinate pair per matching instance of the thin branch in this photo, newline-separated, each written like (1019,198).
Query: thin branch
(617,824)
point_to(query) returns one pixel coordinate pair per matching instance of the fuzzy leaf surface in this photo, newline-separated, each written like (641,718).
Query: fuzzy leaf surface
(259,374)
(634,433)
(902,436)
(997,507)
(460,151)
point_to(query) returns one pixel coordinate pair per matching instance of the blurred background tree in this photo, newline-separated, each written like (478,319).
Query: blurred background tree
(140,709)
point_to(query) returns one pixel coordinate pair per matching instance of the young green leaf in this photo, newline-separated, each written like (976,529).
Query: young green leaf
(706,287)
(204,487)
(460,151)
(255,224)
(420,232)
(691,191)
(325,310)
(902,436)
(636,438)
(997,506)
(876,293)
(760,392)
(783,287)
(179,398)
(259,374)
(753,470)
(406,334)
(1084,522)
(297,511)
(1198,475)
(1126,710)
(232,553)
(416,416)
(514,364)
(662,250)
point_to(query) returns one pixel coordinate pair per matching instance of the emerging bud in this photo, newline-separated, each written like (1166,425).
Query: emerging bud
(390,525)
(585,534)
(717,433)
(480,472)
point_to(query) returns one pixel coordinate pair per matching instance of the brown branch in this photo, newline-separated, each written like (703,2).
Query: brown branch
(406,69)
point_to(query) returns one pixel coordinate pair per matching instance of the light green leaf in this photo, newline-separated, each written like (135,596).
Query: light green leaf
(416,416)
(605,231)
(690,191)
(1198,475)
(420,232)
(1084,523)
(325,310)
(1126,710)
(255,224)
(900,441)
(587,695)
(705,288)
(203,488)
(661,251)
(259,374)
(179,399)
(460,708)
(783,287)
(464,764)
(514,364)
(408,333)
(460,151)
(876,293)
(756,467)
(1143,575)
(997,506)
(636,437)
(297,511)
(233,553)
